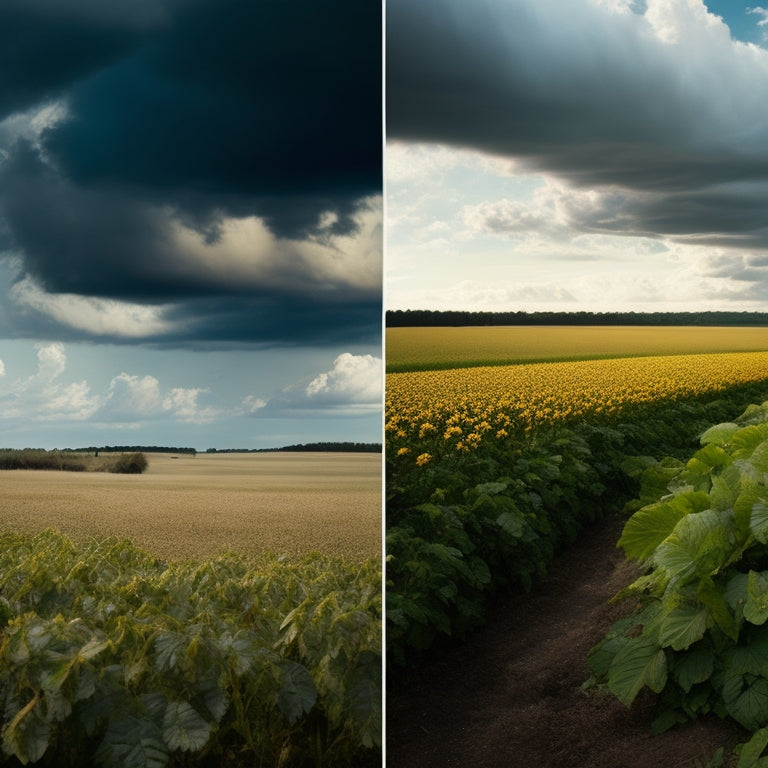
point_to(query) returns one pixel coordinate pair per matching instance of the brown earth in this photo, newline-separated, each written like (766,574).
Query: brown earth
(511,697)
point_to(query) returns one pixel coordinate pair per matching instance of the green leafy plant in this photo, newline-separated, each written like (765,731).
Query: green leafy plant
(699,637)
(112,657)
(465,525)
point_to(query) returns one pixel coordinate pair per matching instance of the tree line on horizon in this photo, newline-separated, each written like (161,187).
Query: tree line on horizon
(350,447)
(131,449)
(308,447)
(406,318)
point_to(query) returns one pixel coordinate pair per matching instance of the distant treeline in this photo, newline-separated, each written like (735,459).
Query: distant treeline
(131,449)
(309,447)
(426,317)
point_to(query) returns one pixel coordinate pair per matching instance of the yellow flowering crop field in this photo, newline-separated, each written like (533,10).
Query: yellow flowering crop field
(461,408)
(491,470)
(430,348)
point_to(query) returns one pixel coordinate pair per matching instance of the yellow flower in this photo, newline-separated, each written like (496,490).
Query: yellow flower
(403,451)
(423,459)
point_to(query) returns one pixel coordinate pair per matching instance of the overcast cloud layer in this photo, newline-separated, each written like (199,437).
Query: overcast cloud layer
(190,171)
(636,119)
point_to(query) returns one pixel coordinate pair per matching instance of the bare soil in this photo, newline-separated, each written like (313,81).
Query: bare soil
(510,696)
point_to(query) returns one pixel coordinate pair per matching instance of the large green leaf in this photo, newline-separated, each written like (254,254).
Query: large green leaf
(751,751)
(365,699)
(720,434)
(747,439)
(698,470)
(132,742)
(694,667)
(640,662)
(512,523)
(26,735)
(169,646)
(649,526)
(756,606)
(758,518)
(297,693)
(601,656)
(700,544)
(747,702)
(750,658)
(683,626)
(759,457)
(184,728)
(713,596)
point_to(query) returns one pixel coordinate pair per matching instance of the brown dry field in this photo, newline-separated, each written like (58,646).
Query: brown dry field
(199,506)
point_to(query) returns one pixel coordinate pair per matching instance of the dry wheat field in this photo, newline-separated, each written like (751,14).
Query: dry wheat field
(198,506)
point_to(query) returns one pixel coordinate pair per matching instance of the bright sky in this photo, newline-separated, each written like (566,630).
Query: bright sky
(190,223)
(577,155)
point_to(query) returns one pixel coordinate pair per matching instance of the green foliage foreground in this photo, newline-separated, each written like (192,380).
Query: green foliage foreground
(493,520)
(111,657)
(699,636)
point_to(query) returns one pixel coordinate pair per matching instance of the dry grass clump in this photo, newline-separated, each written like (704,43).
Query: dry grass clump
(71,461)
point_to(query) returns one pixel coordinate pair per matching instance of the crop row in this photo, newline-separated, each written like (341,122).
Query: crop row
(698,634)
(110,656)
(434,412)
(469,515)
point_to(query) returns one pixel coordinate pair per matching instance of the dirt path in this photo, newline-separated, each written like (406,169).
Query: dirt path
(510,697)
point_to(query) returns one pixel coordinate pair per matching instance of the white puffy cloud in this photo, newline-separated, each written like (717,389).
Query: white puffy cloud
(353,379)
(132,396)
(251,403)
(42,396)
(183,405)
(352,387)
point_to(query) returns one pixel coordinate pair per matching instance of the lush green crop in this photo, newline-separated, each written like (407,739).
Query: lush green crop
(699,638)
(438,412)
(491,470)
(109,656)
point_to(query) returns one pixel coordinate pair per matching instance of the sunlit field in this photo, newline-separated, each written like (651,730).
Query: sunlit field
(430,348)
(198,506)
(433,412)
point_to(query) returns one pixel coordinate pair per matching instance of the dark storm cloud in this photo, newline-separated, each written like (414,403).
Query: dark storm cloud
(279,322)
(264,101)
(180,115)
(46,44)
(79,240)
(656,104)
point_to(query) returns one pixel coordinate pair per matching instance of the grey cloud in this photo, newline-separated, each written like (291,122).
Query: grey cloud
(672,117)
(182,115)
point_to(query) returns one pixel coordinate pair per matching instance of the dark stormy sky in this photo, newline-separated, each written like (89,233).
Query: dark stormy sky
(190,221)
(577,154)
